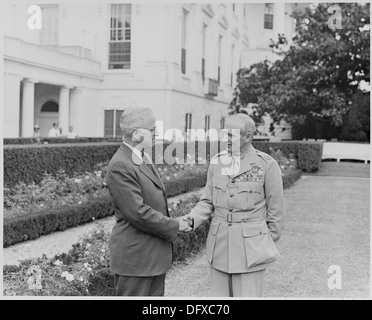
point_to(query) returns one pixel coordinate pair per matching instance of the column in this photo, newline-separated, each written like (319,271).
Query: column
(64,109)
(28,100)
(76,110)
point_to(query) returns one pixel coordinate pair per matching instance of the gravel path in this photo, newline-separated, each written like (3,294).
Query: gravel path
(61,242)
(327,225)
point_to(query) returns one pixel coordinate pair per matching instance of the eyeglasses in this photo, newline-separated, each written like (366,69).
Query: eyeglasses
(151,130)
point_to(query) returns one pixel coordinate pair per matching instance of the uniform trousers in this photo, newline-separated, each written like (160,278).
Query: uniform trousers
(139,286)
(237,284)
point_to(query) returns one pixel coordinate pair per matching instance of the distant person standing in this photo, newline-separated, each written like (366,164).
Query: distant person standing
(37,133)
(54,132)
(71,134)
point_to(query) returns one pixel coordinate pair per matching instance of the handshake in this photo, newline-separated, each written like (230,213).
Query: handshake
(186,223)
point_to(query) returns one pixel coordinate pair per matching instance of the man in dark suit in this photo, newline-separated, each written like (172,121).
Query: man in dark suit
(141,240)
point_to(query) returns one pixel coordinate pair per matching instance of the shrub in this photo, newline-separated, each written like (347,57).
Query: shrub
(310,156)
(40,223)
(36,224)
(18,141)
(288,147)
(187,183)
(53,192)
(84,270)
(357,123)
(28,163)
(291,177)
(33,225)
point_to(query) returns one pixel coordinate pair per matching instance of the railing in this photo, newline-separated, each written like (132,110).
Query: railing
(344,150)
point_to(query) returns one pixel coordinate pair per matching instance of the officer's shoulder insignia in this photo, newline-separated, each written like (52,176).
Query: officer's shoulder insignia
(222,153)
(263,155)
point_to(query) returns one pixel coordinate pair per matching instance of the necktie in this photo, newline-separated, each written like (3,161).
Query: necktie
(236,165)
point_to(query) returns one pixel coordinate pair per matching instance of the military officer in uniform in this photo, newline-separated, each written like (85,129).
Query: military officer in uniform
(245,199)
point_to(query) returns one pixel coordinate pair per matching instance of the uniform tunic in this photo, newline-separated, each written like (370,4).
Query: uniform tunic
(248,212)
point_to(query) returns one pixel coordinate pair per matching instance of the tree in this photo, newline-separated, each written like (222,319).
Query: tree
(316,77)
(357,123)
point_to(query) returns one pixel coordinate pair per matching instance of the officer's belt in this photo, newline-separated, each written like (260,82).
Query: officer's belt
(236,217)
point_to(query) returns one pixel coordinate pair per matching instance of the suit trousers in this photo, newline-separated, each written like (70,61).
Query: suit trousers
(139,286)
(237,284)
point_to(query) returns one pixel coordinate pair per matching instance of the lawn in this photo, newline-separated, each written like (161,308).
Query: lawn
(343,169)
(327,224)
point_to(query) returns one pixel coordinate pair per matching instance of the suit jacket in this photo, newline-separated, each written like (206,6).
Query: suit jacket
(140,243)
(252,199)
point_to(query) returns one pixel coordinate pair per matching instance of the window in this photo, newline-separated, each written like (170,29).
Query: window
(49,30)
(183,42)
(188,122)
(269,16)
(112,123)
(49,106)
(219,59)
(207,124)
(222,123)
(204,39)
(120,36)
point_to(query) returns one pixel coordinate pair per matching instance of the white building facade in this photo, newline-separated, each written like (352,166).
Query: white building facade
(87,62)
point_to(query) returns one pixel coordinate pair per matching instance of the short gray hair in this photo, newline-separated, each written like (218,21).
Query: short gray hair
(134,117)
(249,125)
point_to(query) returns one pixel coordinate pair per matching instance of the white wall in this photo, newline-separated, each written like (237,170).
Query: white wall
(11,105)
(155,77)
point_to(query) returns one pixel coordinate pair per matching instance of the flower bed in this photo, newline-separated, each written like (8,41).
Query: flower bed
(63,202)
(22,227)
(84,270)
(59,191)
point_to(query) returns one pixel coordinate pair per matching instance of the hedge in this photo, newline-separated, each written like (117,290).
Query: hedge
(27,163)
(22,141)
(310,156)
(34,225)
(100,280)
(291,177)
(287,147)
(40,223)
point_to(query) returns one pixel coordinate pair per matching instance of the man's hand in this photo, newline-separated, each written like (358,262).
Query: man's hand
(185,224)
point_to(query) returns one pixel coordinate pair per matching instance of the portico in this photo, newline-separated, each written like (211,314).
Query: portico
(43,87)
(44,104)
